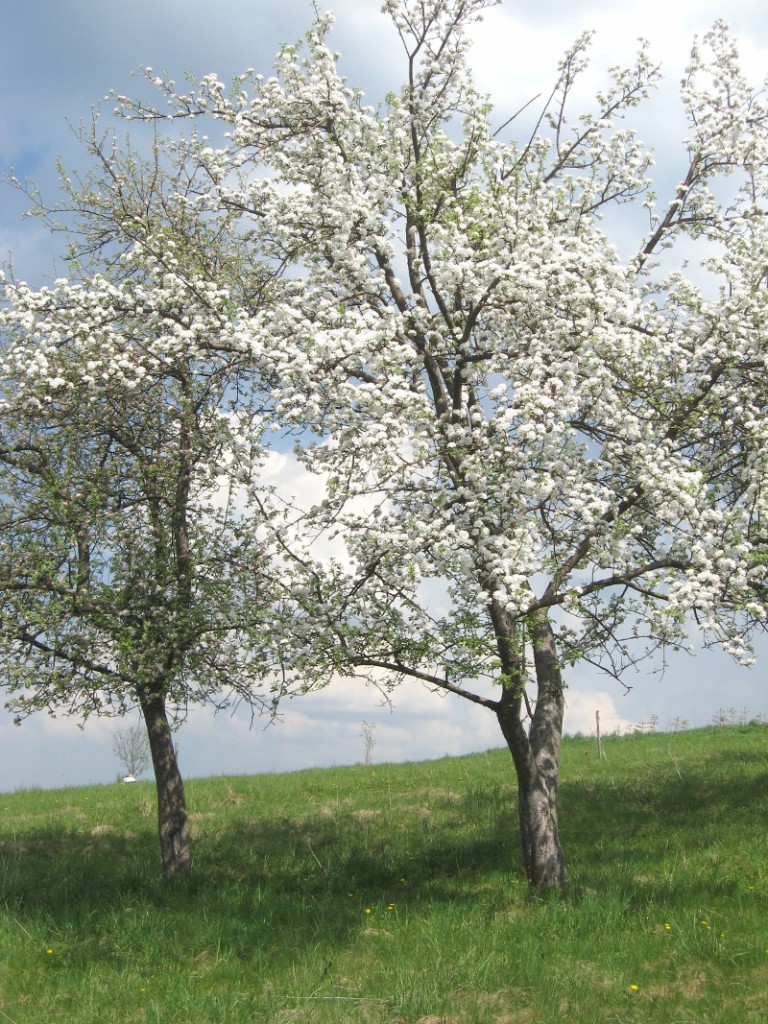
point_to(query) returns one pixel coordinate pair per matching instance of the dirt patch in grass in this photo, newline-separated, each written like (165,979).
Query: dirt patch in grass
(419,811)
(506,1005)
(103,830)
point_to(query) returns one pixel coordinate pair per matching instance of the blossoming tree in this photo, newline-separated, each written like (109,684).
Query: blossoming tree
(133,566)
(539,451)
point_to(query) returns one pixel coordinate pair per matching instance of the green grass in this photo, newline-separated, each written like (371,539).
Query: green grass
(394,894)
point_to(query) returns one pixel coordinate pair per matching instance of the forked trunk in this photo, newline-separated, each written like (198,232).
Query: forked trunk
(173,826)
(542,852)
(536,755)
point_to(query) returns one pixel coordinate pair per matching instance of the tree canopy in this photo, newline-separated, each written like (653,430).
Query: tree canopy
(540,449)
(134,565)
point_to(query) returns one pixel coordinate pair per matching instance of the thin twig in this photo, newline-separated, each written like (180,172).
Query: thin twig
(23,928)
(674,762)
(317,860)
(516,114)
(347,999)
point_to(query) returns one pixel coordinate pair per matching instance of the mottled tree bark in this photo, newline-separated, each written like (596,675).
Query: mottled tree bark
(536,755)
(173,825)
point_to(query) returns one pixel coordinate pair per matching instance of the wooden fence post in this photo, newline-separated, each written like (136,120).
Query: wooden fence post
(600,751)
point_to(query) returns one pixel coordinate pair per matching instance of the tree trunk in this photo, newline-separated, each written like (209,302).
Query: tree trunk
(536,755)
(173,827)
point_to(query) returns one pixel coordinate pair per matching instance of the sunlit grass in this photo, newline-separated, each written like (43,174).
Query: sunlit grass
(395,893)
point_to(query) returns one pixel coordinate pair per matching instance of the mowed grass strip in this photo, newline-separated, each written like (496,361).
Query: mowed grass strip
(395,893)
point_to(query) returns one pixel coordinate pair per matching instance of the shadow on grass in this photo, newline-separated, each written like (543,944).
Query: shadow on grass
(685,833)
(259,888)
(63,872)
(268,883)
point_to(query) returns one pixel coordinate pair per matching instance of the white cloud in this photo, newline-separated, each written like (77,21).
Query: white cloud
(581,708)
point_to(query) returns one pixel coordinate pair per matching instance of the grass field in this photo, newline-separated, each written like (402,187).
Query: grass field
(394,893)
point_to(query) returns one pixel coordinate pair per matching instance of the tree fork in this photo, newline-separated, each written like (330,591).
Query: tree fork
(536,756)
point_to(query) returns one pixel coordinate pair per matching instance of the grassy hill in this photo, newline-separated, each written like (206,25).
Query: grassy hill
(393,894)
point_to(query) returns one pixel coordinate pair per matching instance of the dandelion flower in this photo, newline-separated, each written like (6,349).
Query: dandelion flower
(49,952)
(634,988)
(367,910)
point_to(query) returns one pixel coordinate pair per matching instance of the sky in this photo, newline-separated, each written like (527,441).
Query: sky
(58,62)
